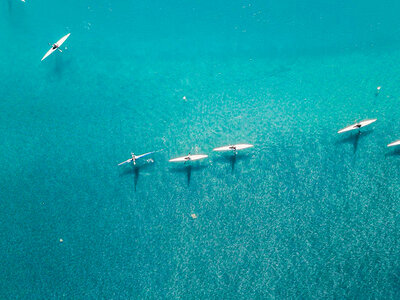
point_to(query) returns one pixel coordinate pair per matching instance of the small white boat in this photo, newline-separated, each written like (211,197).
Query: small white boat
(56,46)
(395,143)
(357,125)
(233,147)
(135,158)
(189,157)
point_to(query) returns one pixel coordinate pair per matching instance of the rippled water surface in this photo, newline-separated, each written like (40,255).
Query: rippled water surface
(306,213)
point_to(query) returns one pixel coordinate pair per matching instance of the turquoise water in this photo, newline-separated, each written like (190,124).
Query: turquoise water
(307,213)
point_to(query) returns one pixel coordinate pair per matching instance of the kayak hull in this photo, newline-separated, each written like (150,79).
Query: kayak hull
(189,158)
(395,143)
(357,125)
(229,148)
(143,155)
(58,44)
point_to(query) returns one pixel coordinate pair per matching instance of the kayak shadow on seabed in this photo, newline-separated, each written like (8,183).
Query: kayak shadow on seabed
(354,139)
(135,170)
(232,159)
(394,153)
(9,5)
(188,170)
(60,65)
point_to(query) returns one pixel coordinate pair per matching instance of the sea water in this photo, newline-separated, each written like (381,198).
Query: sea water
(306,213)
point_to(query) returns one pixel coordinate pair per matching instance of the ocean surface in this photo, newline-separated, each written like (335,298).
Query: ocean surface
(307,213)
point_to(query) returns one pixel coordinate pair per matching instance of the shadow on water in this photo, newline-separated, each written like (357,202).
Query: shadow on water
(187,169)
(16,15)
(232,159)
(58,64)
(135,171)
(394,153)
(354,139)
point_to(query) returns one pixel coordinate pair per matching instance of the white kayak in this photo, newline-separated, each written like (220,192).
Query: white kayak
(233,147)
(56,46)
(188,158)
(135,158)
(395,143)
(357,125)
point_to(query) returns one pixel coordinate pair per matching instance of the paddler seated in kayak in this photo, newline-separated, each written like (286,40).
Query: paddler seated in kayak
(55,46)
